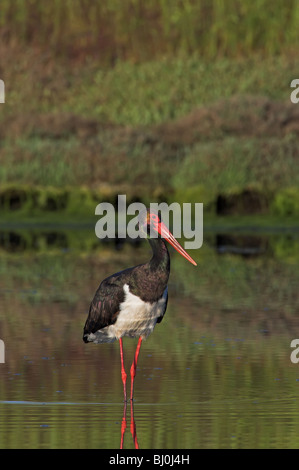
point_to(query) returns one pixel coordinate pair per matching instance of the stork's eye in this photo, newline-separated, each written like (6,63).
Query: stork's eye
(153,217)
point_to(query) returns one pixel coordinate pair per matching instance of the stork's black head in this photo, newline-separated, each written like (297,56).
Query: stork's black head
(152,226)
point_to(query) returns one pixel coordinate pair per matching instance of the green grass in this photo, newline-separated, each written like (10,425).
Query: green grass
(159,91)
(129,29)
(134,94)
(184,128)
(239,163)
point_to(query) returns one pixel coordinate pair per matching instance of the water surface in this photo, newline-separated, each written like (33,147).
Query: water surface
(216,373)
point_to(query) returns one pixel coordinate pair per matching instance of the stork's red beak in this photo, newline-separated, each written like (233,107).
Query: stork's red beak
(165,233)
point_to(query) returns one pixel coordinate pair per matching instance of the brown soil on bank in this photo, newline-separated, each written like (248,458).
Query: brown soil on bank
(143,160)
(239,116)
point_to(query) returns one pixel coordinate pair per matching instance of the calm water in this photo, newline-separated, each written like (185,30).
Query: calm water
(216,373)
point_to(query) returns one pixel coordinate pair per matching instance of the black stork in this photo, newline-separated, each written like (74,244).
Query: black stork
(131,302)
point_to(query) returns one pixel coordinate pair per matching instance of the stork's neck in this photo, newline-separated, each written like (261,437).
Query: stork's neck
(150,279)
(160,259)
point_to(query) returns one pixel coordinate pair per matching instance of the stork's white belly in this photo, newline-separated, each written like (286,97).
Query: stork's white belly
(136,318)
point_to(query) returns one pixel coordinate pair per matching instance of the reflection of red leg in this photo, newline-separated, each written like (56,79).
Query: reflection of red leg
(123,426)
(133,427)
(134,365)
(123,372)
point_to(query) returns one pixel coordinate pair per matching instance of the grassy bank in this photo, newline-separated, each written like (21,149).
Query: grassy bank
(67,99)
(130,29)
(65,205)
(224,133)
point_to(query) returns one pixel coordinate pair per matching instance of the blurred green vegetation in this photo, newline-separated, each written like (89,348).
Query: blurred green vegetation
(131,94)
(130,29)
(181,100)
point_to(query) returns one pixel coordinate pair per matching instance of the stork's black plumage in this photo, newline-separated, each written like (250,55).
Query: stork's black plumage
(131,302)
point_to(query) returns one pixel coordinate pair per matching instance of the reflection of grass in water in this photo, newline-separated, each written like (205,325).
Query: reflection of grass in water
(46,271)
(260,283)
(221,383)
(232,377)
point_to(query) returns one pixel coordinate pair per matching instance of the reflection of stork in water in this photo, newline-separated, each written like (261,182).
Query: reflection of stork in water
(131,302)
(132,426)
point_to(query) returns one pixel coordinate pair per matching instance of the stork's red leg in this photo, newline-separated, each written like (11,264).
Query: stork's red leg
(134,365)
(123,372)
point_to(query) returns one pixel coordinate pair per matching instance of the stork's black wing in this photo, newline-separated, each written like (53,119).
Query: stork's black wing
(104,308)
